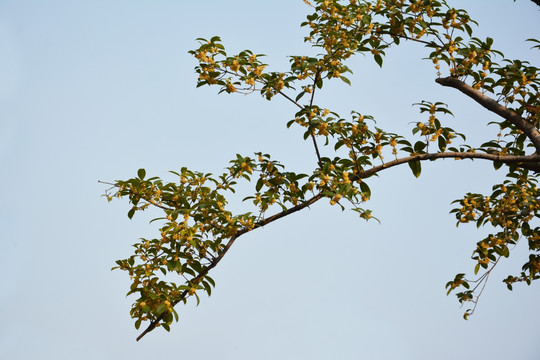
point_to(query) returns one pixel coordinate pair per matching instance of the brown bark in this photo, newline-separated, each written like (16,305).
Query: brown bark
(522,124)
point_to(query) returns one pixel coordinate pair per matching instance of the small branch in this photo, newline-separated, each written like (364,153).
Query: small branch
(527,127)
(314,86)
(152,202)
(217,259)
(291,100)
(455,155)
(317,74)
(107,183)
(433,44)
(284,213)
(484,280)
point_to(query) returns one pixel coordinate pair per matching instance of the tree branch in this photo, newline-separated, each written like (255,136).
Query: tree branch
(317,74)
(217,259)
(455,155)
(291,100)
(527,127)
(428,43)
(530,159)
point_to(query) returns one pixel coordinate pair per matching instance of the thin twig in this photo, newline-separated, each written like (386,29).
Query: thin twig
(291,100)
(433,44)
(317,74)
(484,280)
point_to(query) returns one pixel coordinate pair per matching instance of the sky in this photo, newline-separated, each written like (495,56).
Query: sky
(94,90)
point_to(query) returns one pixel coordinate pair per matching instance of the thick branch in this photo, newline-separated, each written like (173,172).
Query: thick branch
(455,155)
(217,259)
(527,127)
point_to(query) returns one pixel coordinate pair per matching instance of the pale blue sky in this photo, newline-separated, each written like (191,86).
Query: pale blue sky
(94,90)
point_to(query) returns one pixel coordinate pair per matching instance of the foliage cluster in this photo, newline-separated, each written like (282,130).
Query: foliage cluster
(198,229)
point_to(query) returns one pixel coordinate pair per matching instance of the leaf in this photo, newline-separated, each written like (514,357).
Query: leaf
(442,143)
(161,308)
(526,229)
(345,80)
(131,212)
(259,185)
(378,60)
(535,41)
(207,287)
(210,280)
(160,218)
(365,189)
(141,173)
(290,123)
(419,146)
(415,167)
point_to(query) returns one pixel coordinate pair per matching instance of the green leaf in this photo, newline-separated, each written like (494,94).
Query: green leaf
(131,213)
(415,167)
(207,287)
(419,146)
(526,229)
(210,280)
(345,80)
(156,219)
(138,324)
(299,96)
(141,174)
(442,143)
(161,308)
(378,60)
(365,189)
(259,185)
